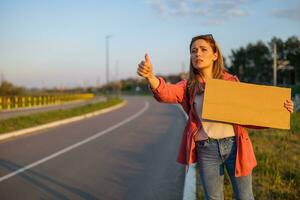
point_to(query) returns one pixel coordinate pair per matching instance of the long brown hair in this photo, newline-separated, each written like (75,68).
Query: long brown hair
(218,66)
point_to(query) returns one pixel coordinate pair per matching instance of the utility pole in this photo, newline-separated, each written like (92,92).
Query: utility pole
(274,64)
(107,57)
(279,65)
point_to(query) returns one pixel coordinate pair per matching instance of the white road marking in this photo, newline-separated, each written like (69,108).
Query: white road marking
(190,182)
(75,145)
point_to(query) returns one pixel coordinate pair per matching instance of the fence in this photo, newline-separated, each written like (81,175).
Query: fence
(14,102)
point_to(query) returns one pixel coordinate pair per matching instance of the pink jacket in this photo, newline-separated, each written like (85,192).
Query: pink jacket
(176,93)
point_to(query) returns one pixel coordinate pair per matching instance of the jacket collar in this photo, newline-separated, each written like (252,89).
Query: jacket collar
(226,76)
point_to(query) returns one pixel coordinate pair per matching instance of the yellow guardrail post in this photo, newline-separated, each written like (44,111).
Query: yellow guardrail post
(39,100)
(29,102)
(16,102)
(0,104)
(8,103)
(23,102)
(34,101)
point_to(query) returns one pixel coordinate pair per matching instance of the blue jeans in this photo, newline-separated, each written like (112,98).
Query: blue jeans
(212,157)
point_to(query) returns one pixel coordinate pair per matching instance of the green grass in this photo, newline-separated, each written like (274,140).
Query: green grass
(277,174)
(21,122)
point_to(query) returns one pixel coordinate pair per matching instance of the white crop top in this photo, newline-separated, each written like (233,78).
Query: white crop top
(213,129)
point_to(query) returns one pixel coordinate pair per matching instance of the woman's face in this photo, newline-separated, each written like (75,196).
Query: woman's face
(202,55)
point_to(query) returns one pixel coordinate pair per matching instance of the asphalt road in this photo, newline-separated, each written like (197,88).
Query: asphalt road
(135,160)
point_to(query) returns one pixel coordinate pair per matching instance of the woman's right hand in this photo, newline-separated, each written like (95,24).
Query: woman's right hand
(145,68)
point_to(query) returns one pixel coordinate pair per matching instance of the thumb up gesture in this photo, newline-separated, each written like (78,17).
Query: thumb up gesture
(145,68)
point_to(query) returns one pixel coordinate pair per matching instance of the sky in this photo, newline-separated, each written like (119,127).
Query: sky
(62,43)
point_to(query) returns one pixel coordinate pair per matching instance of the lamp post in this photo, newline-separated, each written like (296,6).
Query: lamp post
(107,57)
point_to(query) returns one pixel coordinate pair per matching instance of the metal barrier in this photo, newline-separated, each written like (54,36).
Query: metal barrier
(15,102)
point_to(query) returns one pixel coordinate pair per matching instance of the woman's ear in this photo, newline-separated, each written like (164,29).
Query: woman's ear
(215,56)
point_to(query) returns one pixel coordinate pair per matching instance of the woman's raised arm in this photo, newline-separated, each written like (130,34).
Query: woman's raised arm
(168,93)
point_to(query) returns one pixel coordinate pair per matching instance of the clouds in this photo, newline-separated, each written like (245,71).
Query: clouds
(214,12)
(171,8)
(288,13)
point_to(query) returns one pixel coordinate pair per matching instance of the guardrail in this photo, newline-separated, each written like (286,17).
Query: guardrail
(14,102)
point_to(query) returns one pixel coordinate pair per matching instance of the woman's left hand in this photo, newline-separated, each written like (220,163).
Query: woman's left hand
(289,105)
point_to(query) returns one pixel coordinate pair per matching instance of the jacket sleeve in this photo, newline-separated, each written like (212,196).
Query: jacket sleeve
(169,93)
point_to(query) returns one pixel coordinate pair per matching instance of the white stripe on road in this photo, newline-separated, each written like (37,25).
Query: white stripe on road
(189,190)
(75,145)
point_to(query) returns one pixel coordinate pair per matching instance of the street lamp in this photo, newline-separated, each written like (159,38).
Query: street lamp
(107,57)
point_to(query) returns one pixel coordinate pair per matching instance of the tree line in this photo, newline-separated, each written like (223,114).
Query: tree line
(254,62)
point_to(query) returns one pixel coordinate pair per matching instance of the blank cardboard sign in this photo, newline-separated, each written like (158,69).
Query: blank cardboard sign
(247,104)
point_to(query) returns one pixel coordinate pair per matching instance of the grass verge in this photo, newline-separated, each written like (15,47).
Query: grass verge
(21,122)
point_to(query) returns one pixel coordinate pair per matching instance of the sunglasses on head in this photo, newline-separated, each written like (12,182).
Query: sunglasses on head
(210,36)
(203,36)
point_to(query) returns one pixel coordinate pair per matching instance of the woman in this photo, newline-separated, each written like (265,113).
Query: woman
(212,144)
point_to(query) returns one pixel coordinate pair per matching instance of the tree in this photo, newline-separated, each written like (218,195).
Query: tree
(292,48)
(260,63)
(8,89)
(238,61)
(253,63)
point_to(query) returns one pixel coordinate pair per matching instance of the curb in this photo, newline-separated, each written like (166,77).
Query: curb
(61,122)
(189,190)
